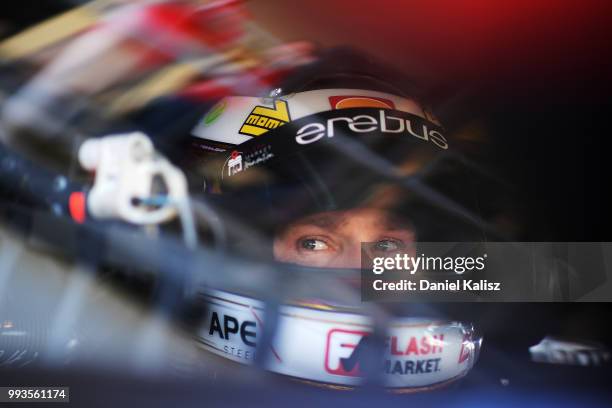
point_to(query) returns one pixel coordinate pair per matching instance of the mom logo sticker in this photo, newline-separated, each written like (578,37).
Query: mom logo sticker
(263,118)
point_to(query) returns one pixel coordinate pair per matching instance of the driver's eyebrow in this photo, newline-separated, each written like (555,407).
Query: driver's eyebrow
(326,221)
(394,222)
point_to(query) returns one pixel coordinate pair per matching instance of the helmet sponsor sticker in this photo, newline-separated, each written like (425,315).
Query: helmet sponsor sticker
(382,121)
(246,158)
(214,113)
(263,118)
(234,163)
(354,101)
(330,346)
(342,351)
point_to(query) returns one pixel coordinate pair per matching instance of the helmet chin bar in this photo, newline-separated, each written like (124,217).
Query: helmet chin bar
(330,346)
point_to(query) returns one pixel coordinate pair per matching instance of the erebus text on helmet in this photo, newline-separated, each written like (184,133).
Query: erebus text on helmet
(361,123)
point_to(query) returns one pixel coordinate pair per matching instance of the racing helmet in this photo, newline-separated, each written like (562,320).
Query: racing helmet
(331,140)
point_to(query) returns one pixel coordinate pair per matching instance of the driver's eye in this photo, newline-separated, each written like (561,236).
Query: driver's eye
(388,245)
(313,244)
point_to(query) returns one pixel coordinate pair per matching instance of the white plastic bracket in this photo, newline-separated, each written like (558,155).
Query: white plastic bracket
(128,169)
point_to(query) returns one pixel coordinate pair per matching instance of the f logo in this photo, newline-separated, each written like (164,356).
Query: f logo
(343,352)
